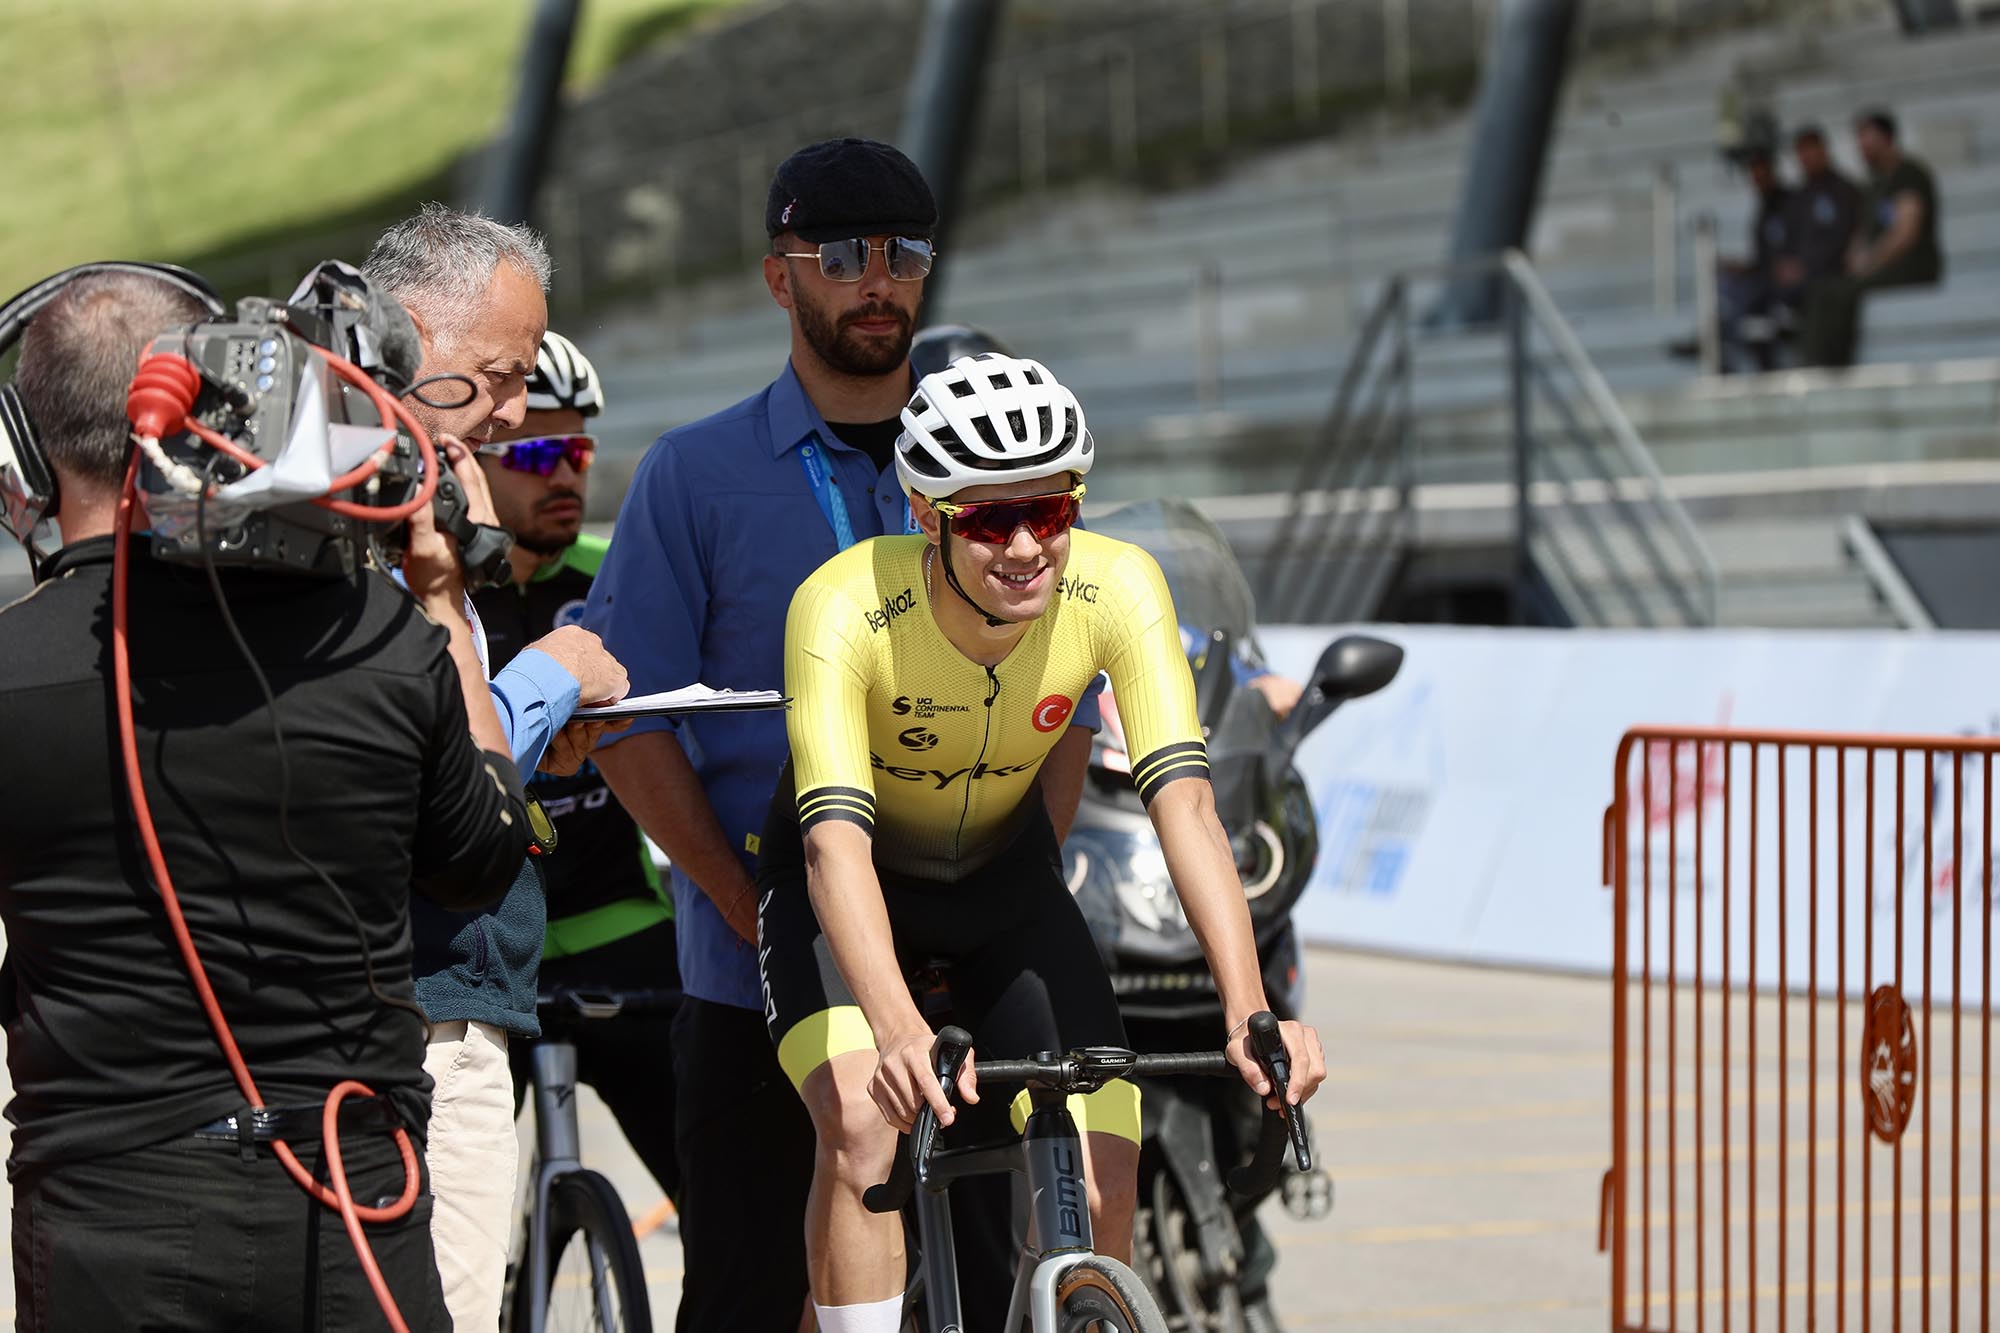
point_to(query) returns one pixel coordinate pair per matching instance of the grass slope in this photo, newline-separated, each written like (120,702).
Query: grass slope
(193,128)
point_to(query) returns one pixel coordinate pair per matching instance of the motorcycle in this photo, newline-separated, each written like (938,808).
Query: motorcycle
(1200,1248)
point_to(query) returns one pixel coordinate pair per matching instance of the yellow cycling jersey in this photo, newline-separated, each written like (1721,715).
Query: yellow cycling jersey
(896,730)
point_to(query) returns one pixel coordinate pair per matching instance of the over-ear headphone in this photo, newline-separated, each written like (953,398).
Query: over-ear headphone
(27,482)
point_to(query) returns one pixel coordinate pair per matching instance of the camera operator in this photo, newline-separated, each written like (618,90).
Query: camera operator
(475,289)
(145,1191)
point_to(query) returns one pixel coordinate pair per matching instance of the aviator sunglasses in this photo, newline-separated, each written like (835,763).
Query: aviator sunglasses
(994,521)
(540,455)
(907,257)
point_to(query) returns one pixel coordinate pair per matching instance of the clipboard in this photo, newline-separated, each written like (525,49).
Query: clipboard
(696,698)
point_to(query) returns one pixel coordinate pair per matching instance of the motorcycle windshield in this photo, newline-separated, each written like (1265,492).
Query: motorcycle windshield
(1210,592)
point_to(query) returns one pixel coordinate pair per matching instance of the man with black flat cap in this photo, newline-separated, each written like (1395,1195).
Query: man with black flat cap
(724,519)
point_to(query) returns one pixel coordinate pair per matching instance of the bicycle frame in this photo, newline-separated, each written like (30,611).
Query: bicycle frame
(560,1150)
(1050,1154)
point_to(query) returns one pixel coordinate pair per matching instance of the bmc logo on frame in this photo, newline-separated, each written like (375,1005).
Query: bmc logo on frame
(1052,712)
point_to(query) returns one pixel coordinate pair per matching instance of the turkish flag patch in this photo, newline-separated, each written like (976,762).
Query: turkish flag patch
(1052,712)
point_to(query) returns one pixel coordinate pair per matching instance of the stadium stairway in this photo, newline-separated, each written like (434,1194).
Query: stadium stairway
(1204,330)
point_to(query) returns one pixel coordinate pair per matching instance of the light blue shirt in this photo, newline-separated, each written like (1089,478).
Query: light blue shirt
(534,696)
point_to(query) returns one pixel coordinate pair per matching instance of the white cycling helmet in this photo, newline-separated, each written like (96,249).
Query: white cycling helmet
(563,377)
(989,418)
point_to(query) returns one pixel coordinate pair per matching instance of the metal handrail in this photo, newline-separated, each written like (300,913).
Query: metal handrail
(1623,434)
(1319,470)
(1884,575)
(1350,451)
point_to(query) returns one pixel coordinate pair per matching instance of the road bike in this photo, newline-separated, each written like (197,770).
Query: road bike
(1061,1285)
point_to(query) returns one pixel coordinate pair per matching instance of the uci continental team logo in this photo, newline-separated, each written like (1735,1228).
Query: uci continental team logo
(924,706)
(1052,712)
(892,606)
(917,738)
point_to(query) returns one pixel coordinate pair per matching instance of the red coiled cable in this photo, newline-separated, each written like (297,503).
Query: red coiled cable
(162,395)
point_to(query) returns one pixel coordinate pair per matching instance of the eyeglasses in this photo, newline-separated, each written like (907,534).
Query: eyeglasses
(845,261)
(540,455)
(994,521)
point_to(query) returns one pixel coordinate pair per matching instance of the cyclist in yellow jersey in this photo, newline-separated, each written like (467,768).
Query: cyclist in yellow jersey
(931,674)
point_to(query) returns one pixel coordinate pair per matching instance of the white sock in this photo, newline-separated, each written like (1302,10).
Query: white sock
(867,1317)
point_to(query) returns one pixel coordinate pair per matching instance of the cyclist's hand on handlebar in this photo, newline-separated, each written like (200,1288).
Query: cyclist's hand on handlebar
(1308,1064)
(904,1081)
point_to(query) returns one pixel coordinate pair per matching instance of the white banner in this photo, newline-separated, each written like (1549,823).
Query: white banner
(1462,809)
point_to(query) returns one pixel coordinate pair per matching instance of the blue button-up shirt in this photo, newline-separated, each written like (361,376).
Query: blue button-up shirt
(534,696)
(717,532)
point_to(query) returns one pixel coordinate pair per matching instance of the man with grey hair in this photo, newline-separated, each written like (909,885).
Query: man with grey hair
(475,289)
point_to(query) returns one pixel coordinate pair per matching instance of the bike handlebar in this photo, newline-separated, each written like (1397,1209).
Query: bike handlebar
(1089,1068)
(595,1002)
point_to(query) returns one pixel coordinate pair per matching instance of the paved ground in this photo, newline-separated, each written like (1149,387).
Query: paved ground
(1466,1127)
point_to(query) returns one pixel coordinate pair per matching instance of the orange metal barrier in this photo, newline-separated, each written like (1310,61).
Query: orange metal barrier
(1769,885)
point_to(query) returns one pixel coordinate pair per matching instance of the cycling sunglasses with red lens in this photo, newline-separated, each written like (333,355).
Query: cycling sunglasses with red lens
(540,455)
(995,521)
(908,258)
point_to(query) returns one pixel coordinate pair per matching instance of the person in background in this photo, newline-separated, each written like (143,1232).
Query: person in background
(1747,291)
(724,519)
(1825,208)
(611,923)
(1896,244)
(475,288)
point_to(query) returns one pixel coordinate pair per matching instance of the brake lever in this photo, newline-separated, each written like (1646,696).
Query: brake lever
(948,1055)
(911,1165)
(1268,1044)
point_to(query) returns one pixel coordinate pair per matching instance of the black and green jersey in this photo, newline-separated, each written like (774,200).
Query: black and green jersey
(601,882)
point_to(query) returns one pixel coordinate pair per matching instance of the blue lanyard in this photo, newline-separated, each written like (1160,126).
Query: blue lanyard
(827,492)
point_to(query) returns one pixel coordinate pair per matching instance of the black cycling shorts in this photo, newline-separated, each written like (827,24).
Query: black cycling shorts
(1024,973)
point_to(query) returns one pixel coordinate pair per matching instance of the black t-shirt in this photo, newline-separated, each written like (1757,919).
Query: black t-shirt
(1824,210)
(1922,261)
(1771,229)
(877,439)
(107,1045)
(599,858)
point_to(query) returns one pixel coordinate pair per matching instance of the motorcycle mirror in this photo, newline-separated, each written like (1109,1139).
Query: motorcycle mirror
(1352,665)
(1355,664)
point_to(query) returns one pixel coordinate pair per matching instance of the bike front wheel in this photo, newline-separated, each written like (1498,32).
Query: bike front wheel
(1101,1295)
(597,1282)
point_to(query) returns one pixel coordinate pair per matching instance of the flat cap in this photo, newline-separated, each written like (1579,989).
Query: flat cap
(849,187)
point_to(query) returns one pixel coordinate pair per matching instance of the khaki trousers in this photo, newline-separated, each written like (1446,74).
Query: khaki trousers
(473,1162)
